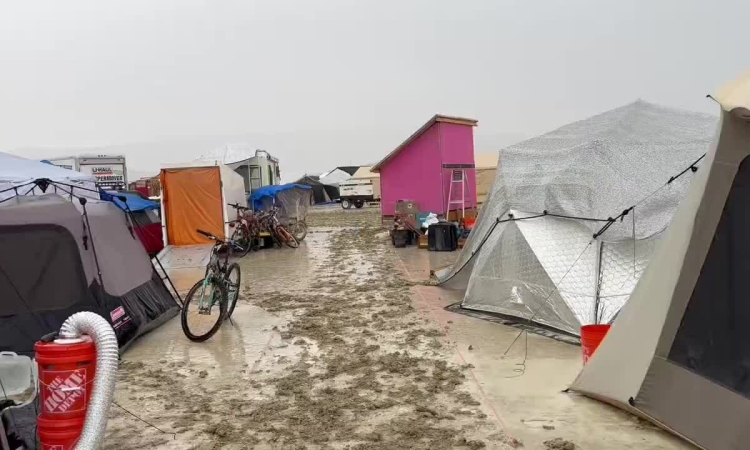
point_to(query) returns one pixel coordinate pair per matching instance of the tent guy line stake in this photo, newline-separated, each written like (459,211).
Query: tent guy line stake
(500,421)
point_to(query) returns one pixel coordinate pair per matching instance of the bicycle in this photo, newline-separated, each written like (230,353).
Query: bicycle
(246,232)
(298,228)
(219,288)
(270,222)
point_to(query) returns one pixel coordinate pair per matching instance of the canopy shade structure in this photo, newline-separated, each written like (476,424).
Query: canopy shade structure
(532,254)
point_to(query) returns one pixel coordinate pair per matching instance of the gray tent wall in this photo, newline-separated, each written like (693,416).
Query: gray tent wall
(678,352)
(549,269)
(49,271)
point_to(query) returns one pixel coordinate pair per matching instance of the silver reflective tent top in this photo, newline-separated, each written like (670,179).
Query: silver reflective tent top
(532,254)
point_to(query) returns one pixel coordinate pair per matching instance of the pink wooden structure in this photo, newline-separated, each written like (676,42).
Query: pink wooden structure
(414,170)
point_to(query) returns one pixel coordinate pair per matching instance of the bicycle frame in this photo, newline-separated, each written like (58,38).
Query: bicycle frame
(214,269)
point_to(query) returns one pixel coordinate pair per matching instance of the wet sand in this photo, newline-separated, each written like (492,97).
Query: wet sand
(327,351)
(340,345)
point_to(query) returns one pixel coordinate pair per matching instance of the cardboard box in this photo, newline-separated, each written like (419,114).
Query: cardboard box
(422,241)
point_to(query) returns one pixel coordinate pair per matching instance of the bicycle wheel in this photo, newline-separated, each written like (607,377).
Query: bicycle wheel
(240,237)
(232,283)
(299,230)
(205,307)
(287,237)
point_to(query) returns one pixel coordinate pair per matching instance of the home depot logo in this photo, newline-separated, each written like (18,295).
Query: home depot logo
(66,392)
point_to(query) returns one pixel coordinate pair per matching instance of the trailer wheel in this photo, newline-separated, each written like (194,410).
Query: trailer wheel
(359,204)
(346,204)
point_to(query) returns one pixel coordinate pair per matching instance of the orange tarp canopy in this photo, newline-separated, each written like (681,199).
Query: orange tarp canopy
(192,201)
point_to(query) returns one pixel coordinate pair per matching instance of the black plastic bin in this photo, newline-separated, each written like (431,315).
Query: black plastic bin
(442,237)
(401,238)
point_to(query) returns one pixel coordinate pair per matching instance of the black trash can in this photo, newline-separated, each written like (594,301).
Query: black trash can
(442,237)
(401,238)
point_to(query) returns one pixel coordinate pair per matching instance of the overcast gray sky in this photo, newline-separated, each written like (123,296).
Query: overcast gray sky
(320,83)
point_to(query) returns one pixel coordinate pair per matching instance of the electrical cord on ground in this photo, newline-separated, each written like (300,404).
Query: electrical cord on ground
(174,435)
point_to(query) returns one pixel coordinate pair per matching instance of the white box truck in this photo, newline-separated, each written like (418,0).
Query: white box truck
(110,171)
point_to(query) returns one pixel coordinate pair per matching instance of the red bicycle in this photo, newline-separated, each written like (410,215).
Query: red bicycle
(246,231)
(270,222)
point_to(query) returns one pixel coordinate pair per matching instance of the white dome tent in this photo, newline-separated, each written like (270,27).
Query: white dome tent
(556,243)
(18,176)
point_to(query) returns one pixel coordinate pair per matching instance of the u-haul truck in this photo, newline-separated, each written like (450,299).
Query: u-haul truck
(110,171)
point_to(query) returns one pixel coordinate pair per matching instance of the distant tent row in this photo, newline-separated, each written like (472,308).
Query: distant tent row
(326,187)
(320,191)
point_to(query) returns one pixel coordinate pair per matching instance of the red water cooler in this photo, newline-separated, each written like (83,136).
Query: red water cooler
(66,372)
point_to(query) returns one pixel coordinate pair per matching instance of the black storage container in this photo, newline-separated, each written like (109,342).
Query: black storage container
(401,238)
(442,237)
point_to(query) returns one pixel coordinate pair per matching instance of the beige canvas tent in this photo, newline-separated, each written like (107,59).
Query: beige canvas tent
(486,169)
(678,353)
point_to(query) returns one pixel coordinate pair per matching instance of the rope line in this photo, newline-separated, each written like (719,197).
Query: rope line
(522,369)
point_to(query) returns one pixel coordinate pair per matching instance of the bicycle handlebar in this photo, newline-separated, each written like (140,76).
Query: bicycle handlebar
(206,233)
(237,206)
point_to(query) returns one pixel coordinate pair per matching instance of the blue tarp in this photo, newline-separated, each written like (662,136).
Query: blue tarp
(270,191)
(135,201)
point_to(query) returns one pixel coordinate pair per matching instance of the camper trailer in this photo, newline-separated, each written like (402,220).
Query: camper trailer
(257,168)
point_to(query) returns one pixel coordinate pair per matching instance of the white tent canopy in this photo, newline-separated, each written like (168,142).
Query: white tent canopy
(337,175)
(229,153)
(678,353)
(548,267)
(20,173)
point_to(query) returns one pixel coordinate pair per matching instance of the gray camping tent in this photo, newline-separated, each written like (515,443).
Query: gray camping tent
(547,268)
(678,353)
(54,262)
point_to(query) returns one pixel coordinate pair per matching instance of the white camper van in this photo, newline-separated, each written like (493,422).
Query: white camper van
(256,167)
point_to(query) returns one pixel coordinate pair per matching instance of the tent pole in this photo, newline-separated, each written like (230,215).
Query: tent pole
(598,283)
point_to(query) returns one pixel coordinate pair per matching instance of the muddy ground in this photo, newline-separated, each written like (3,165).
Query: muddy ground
(354,365)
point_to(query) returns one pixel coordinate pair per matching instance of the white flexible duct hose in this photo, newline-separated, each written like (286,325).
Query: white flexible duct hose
(107,356)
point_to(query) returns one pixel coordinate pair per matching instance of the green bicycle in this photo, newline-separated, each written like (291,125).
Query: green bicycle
(213,299)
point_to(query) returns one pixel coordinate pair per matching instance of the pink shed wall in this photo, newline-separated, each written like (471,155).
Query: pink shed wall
(416,172)
(457,147)
(413,174)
